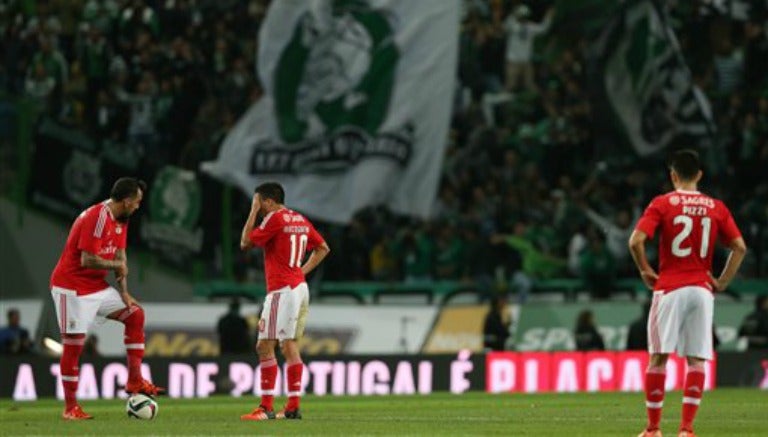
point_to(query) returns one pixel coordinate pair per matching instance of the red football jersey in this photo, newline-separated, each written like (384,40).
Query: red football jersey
(96,231)
(689,222)
(286,236)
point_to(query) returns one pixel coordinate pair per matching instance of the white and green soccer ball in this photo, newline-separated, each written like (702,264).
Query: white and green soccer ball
(141,406)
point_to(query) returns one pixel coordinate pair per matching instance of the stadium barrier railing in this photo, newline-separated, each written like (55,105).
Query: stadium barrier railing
(436,291)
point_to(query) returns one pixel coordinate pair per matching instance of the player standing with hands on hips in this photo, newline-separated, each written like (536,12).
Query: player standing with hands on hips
(81,295)
(681,311)
(285,236)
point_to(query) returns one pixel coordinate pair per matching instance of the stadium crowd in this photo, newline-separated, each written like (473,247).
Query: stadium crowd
(528,190)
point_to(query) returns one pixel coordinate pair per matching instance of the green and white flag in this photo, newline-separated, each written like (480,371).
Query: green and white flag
(356,109)
(647,84)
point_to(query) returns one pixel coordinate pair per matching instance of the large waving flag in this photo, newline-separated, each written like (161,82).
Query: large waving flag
(356,109)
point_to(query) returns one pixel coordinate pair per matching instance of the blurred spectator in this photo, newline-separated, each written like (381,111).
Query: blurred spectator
(755,326)
(382,259)
(756,53)
(598,268)
(415,253)
(536,264)
(52,60)
(449,253)
(106,117)
(101,13)
(729,66)
(587,336)
(521,33)
(95,56)
(496,325)
(357,247)
(141,125)
(478,261)
(40,86)
(616,231)
(75,96)
(14,339)
(637,337)
(234,337)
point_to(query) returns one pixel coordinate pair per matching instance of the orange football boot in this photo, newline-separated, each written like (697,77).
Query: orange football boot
(76,413)
(259,413)
(144,387)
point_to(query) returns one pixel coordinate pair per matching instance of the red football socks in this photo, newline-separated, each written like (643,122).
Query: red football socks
(68,365)
(268,377)
(294,385)
(133,319)
(654,395)
(694,388)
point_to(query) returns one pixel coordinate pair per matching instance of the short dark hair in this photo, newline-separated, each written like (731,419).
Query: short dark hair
(127,187)
(685,163)
(271,190)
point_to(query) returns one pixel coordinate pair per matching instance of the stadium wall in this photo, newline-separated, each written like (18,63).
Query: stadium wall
(176,330)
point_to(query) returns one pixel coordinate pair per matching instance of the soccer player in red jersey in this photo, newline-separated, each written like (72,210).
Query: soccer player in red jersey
(689,223)
(285,236)
(81,295)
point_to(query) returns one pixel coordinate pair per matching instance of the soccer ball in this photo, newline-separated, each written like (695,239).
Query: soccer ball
(141,407)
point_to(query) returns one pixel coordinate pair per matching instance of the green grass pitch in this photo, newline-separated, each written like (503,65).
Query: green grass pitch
(731,412)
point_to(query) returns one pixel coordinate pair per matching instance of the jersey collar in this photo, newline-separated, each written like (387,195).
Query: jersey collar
(687,192)
(109,210)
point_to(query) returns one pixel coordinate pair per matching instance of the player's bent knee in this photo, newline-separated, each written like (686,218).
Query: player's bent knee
(135,316)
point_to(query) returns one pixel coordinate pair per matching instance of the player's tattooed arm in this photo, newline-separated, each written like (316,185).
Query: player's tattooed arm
(121,255)
(245,239)
(92,261)
(317,256)
(122,281)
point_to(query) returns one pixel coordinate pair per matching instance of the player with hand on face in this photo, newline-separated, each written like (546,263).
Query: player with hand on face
(95,246)
(285,236)
(689,222)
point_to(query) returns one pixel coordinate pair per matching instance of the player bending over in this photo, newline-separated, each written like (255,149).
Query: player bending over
(682,306)
(81,295)
(285,236)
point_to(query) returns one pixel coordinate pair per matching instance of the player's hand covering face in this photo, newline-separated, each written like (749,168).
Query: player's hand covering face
(256,205)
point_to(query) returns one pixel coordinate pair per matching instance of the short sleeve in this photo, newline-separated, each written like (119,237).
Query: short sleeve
(260,235)
(728,231)
(91,230)
(315,239)
(650,219)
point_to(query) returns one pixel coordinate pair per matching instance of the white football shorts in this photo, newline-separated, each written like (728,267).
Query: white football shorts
(681,320)
(75,314)
(285,313)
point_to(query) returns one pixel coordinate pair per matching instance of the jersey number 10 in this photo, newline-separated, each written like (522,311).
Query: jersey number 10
(687,222)
(298,247)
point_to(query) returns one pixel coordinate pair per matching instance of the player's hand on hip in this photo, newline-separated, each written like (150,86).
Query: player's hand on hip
(716,283)
(649,277)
